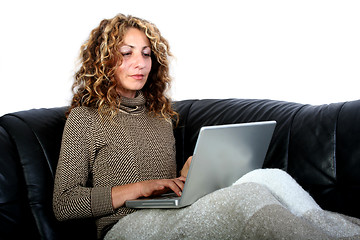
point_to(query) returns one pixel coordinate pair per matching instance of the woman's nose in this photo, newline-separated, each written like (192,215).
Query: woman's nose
(139,61)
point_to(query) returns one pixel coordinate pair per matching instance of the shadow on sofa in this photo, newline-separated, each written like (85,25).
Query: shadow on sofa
(318,145)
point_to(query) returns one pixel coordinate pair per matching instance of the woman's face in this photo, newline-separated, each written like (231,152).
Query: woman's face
(134,70)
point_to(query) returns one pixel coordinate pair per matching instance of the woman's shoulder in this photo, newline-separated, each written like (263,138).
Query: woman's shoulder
(82,111)
(83,114)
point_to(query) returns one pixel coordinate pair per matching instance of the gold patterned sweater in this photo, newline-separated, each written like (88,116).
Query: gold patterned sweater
(99,153)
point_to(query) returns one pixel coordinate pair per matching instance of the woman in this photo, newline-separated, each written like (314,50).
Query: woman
(118,144)
(118,139)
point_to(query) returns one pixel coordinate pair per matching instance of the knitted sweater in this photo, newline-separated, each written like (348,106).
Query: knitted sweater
(99,153)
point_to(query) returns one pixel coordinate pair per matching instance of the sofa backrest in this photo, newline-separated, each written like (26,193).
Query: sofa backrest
(318,145)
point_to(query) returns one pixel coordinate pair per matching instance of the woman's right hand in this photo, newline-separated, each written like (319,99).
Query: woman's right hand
(120,194)
(160,186)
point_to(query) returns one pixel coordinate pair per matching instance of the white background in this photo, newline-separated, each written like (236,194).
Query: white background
(305,51)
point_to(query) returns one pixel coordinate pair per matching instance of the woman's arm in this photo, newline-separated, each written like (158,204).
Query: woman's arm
(145,189)
(73,197)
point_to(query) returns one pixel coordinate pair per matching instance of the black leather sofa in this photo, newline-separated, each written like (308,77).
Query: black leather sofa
(318,145)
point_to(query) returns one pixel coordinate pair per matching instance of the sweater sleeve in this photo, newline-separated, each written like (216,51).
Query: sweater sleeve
(73,197)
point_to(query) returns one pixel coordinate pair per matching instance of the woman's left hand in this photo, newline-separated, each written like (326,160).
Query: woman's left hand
(184,171)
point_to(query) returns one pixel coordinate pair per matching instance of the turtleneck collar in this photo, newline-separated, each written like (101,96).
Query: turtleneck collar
(133,105)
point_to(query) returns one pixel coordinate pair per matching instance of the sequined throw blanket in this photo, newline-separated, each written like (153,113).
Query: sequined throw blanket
(264,204)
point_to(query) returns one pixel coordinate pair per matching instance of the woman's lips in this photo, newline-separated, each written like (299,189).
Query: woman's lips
(137,76)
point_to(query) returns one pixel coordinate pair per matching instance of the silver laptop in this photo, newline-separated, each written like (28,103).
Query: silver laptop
(222,155)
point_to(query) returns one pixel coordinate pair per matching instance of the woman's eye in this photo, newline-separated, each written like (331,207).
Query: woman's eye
(126,53)
(147,54)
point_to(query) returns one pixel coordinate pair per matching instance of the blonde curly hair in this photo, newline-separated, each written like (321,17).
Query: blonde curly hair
(95,84)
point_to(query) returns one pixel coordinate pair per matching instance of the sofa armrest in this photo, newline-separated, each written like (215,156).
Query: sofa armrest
(15,213)
(36,135)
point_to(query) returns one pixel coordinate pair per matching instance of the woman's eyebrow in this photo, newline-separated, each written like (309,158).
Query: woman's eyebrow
(127,45)
(131,46)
